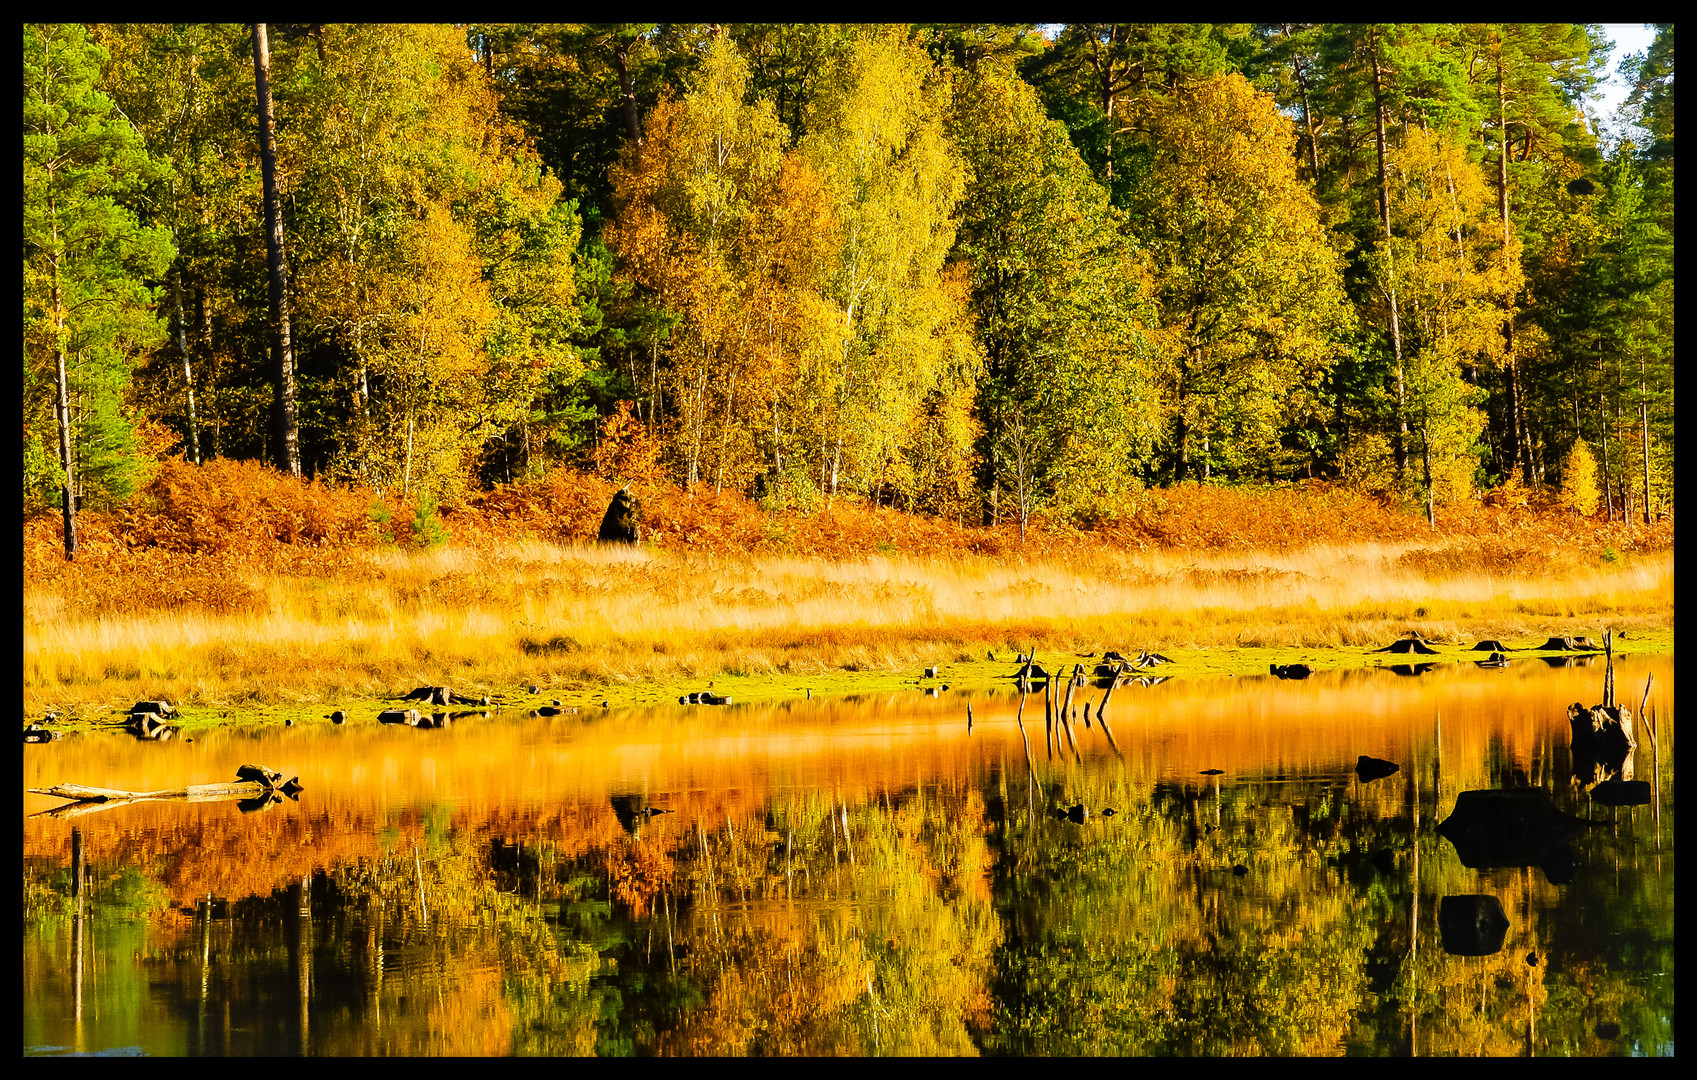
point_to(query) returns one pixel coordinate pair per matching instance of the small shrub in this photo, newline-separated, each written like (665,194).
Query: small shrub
(1579,480)
(427,528)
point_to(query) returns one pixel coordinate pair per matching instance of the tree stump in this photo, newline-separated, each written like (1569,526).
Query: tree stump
(622,524)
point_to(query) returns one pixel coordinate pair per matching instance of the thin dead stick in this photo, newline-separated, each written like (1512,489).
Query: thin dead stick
(1113,682)
(1019,718)
(1049,717)
(1103,720)
(1642,715)
(1066,710)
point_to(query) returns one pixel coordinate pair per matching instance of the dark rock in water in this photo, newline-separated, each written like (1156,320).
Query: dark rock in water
(1471,925)
(1213,772)
(1622,793)
(1513,827)
(1290,671)
(338,717)
(1408,645)
(1108,811)
(271,778)
(409,717)
(1239,870)
(1409,669)
(1031,671)
(1077,814)
(622,523)
(40,735)
(1495,660)
(1372,768)
(547,710)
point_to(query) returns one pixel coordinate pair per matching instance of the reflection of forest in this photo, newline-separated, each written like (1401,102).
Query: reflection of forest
(953,917)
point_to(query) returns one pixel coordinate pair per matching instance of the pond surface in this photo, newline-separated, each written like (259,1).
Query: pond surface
(866,877)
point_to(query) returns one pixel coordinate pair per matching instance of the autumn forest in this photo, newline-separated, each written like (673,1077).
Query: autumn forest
(976,272)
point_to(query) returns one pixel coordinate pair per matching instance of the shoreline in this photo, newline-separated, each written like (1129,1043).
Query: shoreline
(586,697)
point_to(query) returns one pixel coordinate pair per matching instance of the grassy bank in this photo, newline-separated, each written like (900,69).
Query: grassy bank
(249,604)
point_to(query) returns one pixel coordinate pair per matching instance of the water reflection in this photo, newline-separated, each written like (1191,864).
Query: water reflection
(868,878)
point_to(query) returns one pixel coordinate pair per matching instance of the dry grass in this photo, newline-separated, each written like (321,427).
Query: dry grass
(574,613)
(231,584)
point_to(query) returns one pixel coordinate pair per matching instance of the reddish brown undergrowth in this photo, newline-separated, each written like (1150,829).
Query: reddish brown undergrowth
(200,538)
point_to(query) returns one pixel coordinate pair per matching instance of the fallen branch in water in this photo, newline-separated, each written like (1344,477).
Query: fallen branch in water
(255,782)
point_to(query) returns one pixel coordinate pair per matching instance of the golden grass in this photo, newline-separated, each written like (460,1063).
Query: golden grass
(570,614)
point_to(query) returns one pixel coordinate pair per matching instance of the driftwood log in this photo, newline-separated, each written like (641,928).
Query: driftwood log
(443,695)
(252,782)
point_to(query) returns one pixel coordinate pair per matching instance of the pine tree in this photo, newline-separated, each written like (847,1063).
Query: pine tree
(87,308)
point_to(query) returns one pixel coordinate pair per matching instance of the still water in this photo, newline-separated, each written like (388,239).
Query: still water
(868,877)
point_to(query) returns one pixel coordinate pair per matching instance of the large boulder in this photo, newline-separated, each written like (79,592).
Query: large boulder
(622,523)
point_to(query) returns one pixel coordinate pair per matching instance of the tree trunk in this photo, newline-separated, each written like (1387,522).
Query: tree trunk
(188,371)
(1307,119)
(1426,460)
(203,316)
(1603,458)
(627,93)
(288,449)
(61,408)
(1399,441)
(1644,420)
(1518,439)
